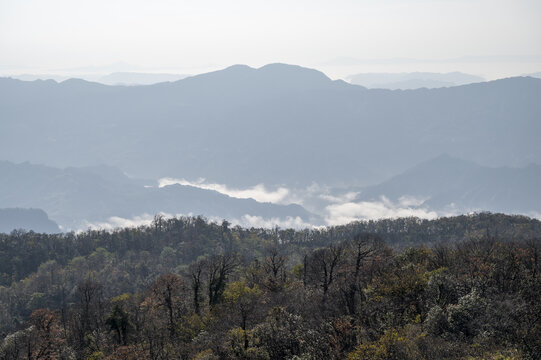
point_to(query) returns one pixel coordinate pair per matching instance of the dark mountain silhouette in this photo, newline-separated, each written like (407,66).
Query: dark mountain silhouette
(445,182)
(77,196)
(279,124)
(26,219)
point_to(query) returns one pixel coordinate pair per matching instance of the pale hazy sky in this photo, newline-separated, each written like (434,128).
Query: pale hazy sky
(340,37)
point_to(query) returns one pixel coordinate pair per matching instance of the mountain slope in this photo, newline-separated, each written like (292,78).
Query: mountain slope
(26,219)
(78,196)
(445,183)
(279,124)
(134,78)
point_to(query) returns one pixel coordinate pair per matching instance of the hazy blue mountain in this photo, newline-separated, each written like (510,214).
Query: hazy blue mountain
(412,84)
(26,219)
(34,77)
(279,124)
(444,180)
(74,196)
(414,80)
(114,78)
(134,78)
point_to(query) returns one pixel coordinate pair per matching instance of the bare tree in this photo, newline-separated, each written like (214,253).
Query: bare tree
(274,267)
(361,248)
(196,277)
(218,269)
(322,264)
(87,315)
(167,292)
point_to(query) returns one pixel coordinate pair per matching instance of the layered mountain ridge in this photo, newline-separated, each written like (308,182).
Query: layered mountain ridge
(279,125)
(449,184)
(79,197)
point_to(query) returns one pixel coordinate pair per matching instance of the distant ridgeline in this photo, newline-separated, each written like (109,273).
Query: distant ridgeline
(26,219)
(237,126)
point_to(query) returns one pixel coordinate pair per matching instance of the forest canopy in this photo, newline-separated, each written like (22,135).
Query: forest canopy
(187,288)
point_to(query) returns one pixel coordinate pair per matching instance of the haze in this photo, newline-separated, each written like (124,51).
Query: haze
(268,113)
(491,39)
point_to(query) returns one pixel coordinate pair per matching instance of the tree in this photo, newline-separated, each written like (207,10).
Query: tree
(242,299)
(274,267)
(218,269)
(361,248)
(322,265)
(196,274)
(119,320)
(87,315)
(166,292)
(47,335)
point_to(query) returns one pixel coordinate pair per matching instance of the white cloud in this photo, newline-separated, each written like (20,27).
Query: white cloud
(408,201)
(258,192)
(260,222)
(344,213)
(247,221)
(116,222)
(337,209)
(347,197)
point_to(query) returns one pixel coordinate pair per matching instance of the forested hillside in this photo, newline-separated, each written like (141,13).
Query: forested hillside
(186,288)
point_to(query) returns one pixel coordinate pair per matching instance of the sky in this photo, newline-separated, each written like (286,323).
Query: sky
(490,38)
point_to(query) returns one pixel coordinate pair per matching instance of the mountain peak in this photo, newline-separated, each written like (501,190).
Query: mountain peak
(238,67)
(79,82)
(299,72)
(444,163)
(274,77)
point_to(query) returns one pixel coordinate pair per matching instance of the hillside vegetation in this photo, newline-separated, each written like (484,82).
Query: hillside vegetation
(186,288)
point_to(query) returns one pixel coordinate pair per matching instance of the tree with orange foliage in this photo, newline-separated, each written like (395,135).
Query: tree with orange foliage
(48,336)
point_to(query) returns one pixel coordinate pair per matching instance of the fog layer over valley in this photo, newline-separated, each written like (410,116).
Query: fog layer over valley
(104,197)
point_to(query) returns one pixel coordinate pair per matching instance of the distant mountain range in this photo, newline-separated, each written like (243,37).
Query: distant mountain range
(26,219)
(277,125)
(446,184)
(392,81)
(115,78)
(34,77)
(78,197)
(415,80)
